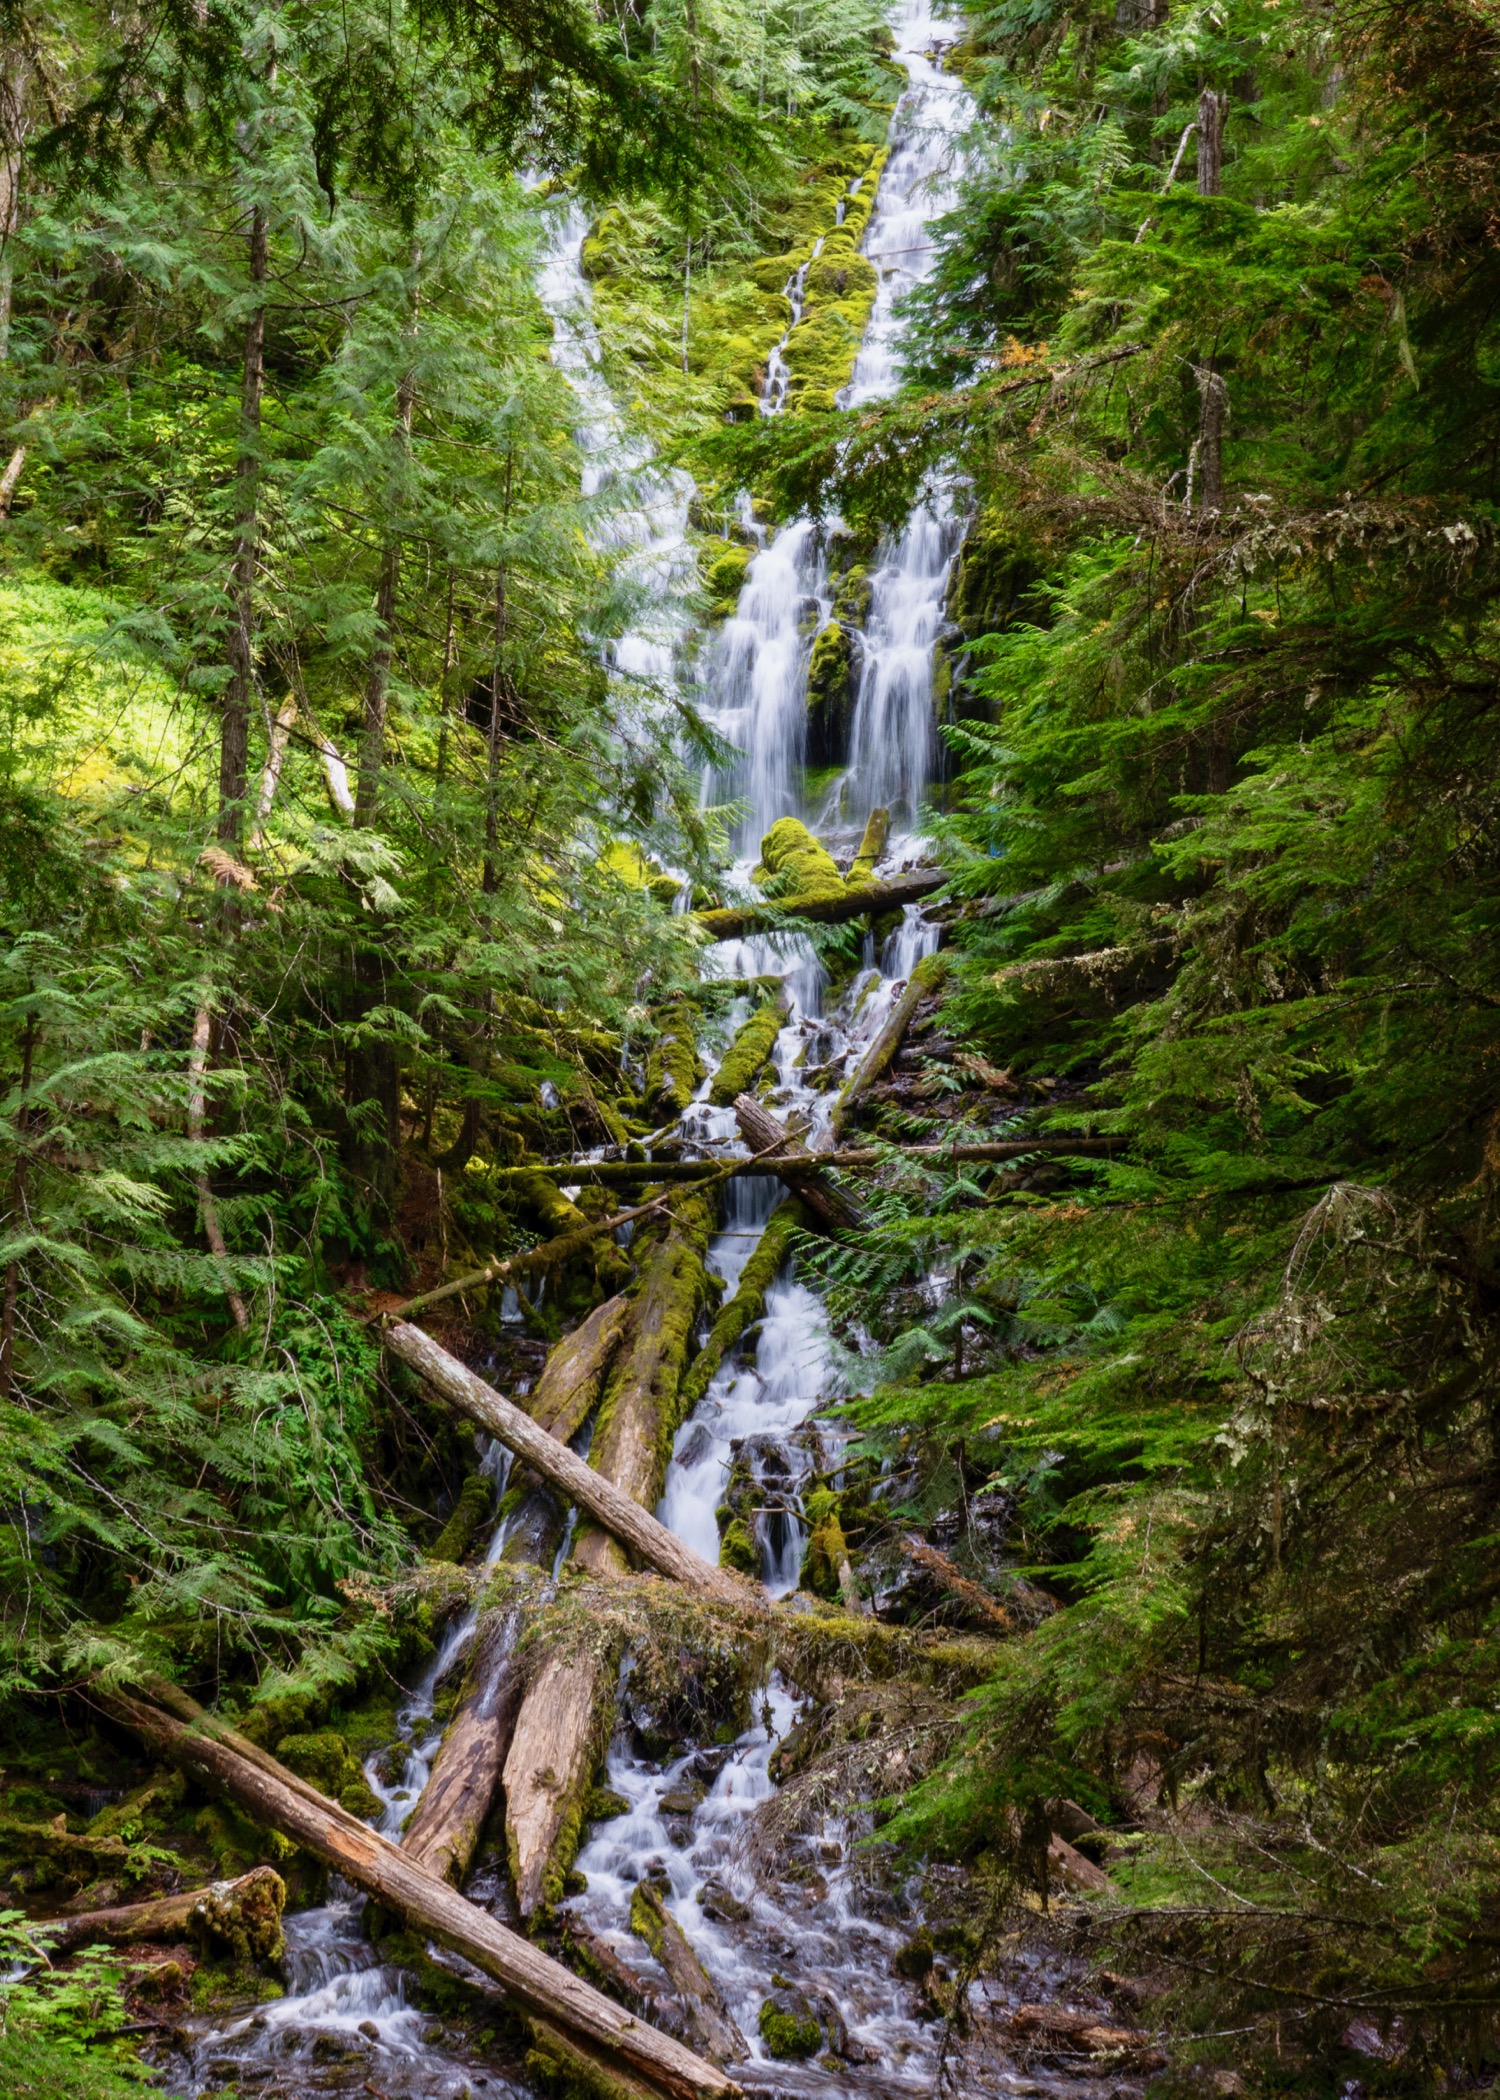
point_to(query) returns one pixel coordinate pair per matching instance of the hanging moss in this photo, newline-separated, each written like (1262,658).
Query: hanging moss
(748,1053)
(794,864)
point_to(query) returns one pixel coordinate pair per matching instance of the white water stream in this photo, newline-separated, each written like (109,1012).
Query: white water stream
(820,1937)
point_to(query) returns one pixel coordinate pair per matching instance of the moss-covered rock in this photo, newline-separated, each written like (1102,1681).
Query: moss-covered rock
(326,1761)
(788,2025)
(737,1548)
(831,689)
(724,569)
(827,1549)
(794,864)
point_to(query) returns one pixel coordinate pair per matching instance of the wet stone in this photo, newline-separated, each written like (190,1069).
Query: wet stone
(789,2025)
(683,1796)
(721,1904)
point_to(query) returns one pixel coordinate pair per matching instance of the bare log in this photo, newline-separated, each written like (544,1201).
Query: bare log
(709,2022)
(929,972)
(792,1161)
(565,1720)
(444,1830)
(396,1880)
(573,1377)
(580,1483)
(244,1914)
(731,923)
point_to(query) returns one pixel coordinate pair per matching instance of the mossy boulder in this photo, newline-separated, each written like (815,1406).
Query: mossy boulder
(794,864)
(788,2025)
(852,595)
(830,695)
(326,1762)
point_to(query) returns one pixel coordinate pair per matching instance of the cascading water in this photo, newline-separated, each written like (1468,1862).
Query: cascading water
(684,1823)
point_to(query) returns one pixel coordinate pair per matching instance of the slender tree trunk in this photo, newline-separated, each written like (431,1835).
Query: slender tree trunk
(377,684)
(234,735)
(17,1211)
(15,81)
(1212,394)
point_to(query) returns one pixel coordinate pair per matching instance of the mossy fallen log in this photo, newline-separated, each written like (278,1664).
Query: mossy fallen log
(748,1302)
(732,922)
(674,1067)
(242,1917)
(549,1255)
(623,1173)
(928,974)
(710,2026)
(747,1054)
(567,1714)
(542,1987)
(476,1498)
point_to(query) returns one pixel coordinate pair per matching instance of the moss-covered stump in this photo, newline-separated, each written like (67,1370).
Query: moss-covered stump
(794,864)
(476,1498)
(748,1053)
(674,1067)
(326,1760)
(832,684)
(871,846)
(243,1918)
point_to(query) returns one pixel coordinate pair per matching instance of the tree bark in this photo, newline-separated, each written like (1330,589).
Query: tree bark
(1212,393)
(580,1483)
(377,683)
(728,924)
(16,1212)
(270,776)
(793,1164)
(15,83)
(208,1209)
(929,972)
(397,1881)
(234,737)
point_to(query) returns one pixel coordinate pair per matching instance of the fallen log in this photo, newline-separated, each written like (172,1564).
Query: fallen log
(928,973)
(382,1870)
(568,1712)
(748,1302)
(708,2019)
(793,1163)
(747,1054)
(580,1483)
(615,1173)
(244,1914)
(445,1827)
(730,923)
(549,1255)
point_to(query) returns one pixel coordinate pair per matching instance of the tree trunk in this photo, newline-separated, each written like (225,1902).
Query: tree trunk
(871,846)
(16,1212)
(578,1482)
(823,1198)
(377,683)
(234,736)
(446,1826)
(730,924)
(270,777)
(15,83)
(404,1887)
(929,972)
(208,1209)
(1212,393)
